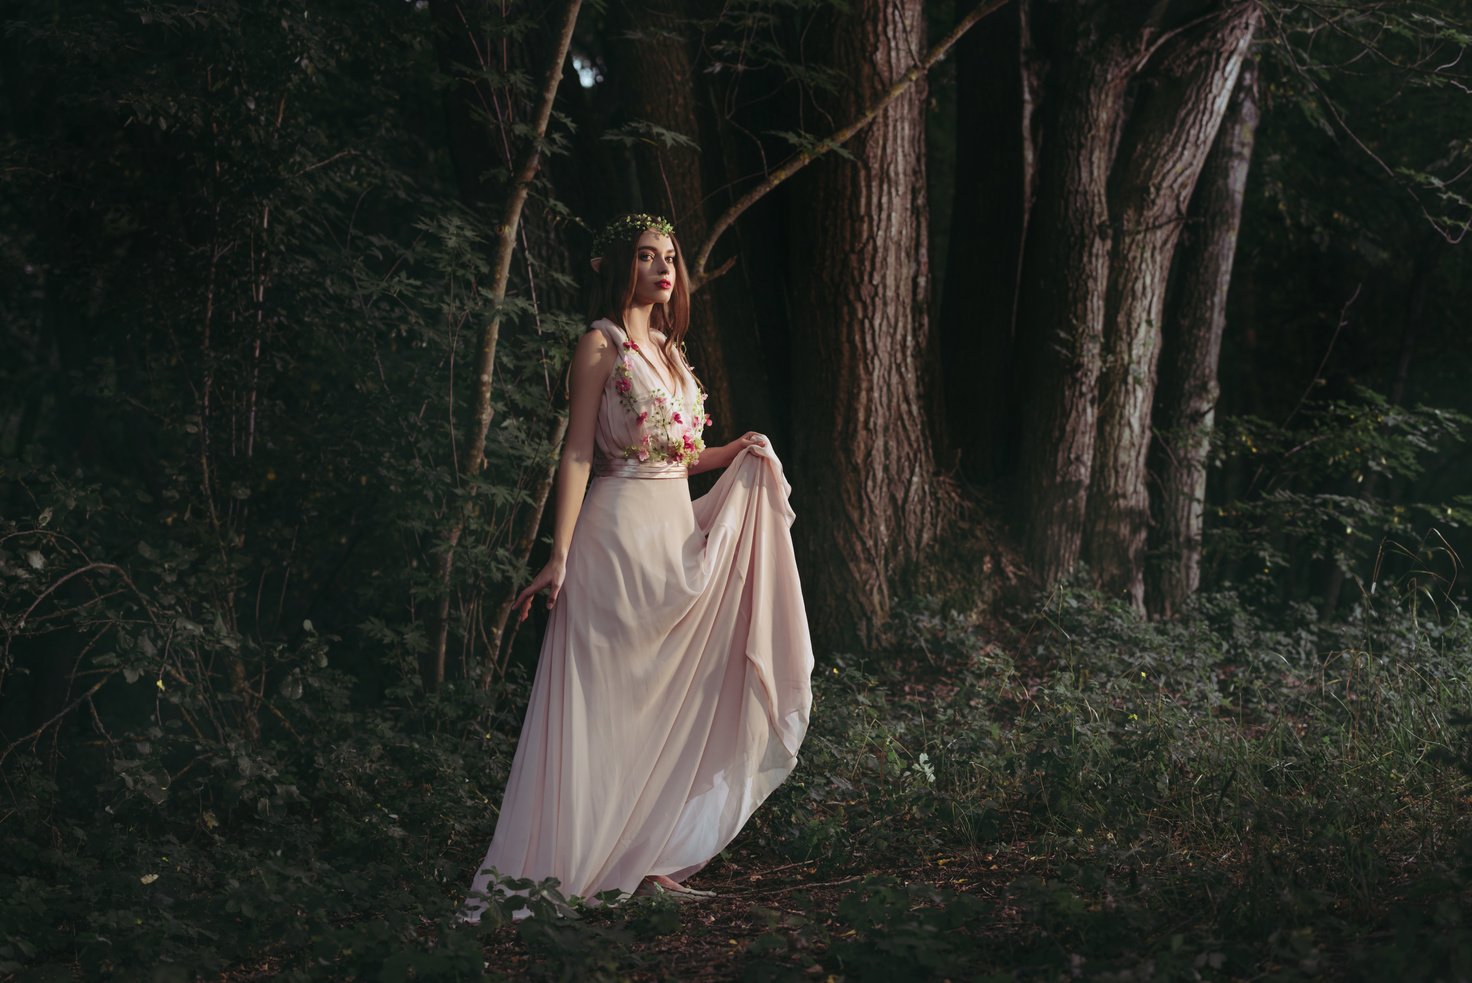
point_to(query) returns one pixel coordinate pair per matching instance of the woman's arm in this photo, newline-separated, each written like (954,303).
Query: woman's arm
(592,363)
(720,457)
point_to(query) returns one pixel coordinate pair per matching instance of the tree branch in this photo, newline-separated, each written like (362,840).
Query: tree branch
(698,275)
(474,459)
(35,735)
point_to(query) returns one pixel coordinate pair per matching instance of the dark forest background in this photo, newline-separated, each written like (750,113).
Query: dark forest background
(1117,340)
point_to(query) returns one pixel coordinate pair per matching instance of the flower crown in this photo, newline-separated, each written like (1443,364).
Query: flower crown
(627,227)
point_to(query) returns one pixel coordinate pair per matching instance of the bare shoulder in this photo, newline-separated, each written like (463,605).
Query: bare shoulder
(594,356)
(594,340)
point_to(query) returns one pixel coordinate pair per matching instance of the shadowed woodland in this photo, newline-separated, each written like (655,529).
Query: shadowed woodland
(1115,353)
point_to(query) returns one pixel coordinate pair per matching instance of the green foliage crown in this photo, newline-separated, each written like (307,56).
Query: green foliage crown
(629,227)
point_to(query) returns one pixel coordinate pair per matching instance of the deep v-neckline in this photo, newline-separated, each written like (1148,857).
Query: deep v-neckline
(674,390)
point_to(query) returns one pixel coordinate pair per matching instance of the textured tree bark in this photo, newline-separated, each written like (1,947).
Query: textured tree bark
(744,333)
(988,216)
(1183,96)
(657,80)
(864,475)
(1065,270)
(1186,403)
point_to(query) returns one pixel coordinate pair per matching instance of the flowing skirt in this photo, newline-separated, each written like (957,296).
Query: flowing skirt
(673,687)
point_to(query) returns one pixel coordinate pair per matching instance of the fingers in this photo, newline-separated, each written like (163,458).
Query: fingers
(523,600)
(530,591)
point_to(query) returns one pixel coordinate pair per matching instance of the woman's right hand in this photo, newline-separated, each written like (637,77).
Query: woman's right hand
(550,576)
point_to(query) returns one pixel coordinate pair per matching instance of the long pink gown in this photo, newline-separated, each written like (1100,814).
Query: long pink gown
(673,688)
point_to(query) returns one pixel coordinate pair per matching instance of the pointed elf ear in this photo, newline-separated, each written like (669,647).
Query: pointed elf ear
(597,263)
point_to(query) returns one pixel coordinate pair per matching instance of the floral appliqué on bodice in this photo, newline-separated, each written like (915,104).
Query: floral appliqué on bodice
(667,426)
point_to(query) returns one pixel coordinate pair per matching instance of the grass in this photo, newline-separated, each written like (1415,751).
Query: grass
(1089,796)
(1079,795)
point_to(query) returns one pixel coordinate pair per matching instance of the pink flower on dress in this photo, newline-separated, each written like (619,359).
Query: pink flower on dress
(676,418)
(643,454)
(631,346)
(707,420)
(658,399)
(689,444)
(643,416)
(623,385)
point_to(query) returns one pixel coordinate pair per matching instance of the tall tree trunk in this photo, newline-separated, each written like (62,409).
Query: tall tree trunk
(1186,403)
(750,298)
(864,474)
(1183,96)
(745,333)
(1065,270)
(670,178)
(987,220)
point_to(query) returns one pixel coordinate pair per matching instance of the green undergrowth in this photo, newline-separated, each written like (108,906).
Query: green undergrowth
(1099,797)
(1081,795)
(326,848)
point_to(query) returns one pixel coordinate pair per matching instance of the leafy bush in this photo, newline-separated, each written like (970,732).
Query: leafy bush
(1202,798)
(1084,794)
(1332,483)
(242,278)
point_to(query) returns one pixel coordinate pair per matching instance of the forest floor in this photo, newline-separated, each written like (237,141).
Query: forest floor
(1086,796)
(708,939)
(1107,800)
(752,900)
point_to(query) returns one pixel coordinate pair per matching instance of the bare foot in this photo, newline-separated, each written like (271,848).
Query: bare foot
(658,882)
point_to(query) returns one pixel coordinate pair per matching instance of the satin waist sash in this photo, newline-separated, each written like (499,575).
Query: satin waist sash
(632,468)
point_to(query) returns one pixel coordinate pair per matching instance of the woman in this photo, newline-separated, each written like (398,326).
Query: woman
(672,690)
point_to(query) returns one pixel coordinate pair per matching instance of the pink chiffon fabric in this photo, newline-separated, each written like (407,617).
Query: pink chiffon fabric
(673,687)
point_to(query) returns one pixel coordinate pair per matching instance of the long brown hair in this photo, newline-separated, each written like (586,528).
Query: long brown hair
(615,294)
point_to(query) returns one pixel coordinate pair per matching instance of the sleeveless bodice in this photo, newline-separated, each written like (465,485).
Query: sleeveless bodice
(673,689)
(645,430)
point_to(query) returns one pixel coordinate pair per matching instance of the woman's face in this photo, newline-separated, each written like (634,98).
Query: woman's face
(654,268)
